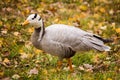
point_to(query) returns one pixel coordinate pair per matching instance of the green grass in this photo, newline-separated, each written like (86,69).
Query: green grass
(23,57)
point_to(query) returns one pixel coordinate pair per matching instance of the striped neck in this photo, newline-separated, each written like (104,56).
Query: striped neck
(38,29)
(42,31)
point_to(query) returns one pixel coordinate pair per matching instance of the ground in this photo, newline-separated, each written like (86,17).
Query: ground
(19,59)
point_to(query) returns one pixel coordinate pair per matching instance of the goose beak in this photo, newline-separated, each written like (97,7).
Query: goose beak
(25,23)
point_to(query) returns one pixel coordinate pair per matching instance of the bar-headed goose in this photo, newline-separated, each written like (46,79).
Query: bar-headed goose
(63,40)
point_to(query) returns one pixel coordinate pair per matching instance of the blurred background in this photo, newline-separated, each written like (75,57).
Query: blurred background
(20,60)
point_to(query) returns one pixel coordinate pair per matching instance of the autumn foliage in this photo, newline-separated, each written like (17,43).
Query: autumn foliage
(18,57)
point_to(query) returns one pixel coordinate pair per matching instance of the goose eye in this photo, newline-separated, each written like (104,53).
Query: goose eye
(33,18)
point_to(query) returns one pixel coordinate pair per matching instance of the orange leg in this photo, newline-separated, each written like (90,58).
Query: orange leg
(59,64)
(70,64)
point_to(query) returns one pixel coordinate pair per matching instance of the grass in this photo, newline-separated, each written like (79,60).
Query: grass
(46,64)
(22,57)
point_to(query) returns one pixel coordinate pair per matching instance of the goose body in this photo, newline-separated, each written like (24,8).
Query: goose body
(60,39)
(63,40)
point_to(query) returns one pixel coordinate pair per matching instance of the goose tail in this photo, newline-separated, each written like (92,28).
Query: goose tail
(102,39)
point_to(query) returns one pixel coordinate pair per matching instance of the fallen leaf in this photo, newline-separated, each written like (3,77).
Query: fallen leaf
(111,12)
(33,71)
(7,78)
(28,44)
(0,59)
(83,7)
(30,30)
(16,76)
(1,42)
(109,79)
(113,24)
(16,33)
(24,56)
(117,30)
(102,10)
(81,68)
(88,66)
(1,73)
(9,9)
(53,70)
(103,27)
(67,68)
(56,20)
(4,31)
(45,72)
(1,23)
(27,11)
(96,59)
(89,70)
(6,61)
(6,53)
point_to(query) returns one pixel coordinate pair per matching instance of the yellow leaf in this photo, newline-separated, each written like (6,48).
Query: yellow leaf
(1,42)
(83,7)
(117,30)
(97,16)
(27,11)
(53,70)
(1,23)
(83,15)
(56,20)
(6,60)
(21,51)
(109,79)
(30,56)
(30,30)
(7,1)
(1,73)
(45,72)
(37,51)
(102,10)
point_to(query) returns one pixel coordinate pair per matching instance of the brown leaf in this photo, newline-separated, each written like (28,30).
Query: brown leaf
(6,53)
(7,78)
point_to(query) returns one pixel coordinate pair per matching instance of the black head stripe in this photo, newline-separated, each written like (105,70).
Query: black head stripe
(39,18)
(34,16)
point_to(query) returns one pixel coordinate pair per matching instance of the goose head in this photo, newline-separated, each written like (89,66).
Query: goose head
(34,20)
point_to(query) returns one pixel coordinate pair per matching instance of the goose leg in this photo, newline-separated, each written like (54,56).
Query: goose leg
(70,64)
(59,64)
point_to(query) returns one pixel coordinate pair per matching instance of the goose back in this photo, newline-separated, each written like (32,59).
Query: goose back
(62,39)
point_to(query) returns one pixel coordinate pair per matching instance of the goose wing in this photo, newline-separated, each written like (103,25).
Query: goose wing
(76,38)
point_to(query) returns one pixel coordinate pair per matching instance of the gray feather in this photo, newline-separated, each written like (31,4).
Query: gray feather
(62,40)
